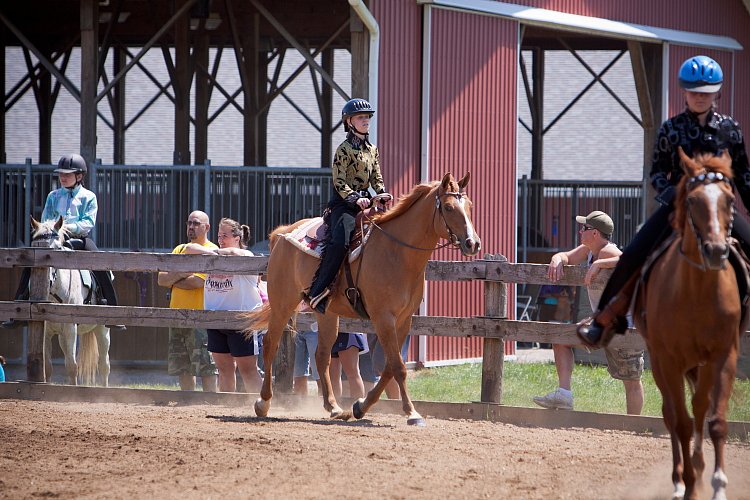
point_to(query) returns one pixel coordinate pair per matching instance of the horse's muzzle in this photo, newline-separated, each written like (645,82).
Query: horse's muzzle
(471,246)
(715,255)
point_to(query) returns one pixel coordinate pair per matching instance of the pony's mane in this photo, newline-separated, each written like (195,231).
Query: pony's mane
(710,163)
(406,201)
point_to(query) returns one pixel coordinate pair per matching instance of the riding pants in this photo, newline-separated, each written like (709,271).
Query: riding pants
(341,227)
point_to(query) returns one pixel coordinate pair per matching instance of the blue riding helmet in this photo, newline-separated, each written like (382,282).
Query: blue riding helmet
(701,74)
(353,107)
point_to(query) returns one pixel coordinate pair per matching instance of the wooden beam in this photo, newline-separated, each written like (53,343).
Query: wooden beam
(646,62)
(181,84)
(360,56)
(89,81)
(202,96)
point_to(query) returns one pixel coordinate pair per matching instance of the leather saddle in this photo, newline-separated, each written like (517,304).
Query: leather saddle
(318,231)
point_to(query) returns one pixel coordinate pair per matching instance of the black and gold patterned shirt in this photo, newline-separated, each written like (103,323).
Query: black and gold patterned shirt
(356,167)
(720,132)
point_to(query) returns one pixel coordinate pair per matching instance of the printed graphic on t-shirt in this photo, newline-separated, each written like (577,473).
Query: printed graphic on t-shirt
(220,283)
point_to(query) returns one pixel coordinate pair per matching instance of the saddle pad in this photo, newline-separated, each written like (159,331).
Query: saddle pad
(86,278)
(312,246)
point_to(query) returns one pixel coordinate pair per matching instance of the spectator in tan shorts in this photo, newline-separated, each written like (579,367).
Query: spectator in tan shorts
(188,347)
(596,251)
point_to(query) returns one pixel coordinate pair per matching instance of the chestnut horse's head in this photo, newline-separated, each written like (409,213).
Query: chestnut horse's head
(455,210)
(705,205)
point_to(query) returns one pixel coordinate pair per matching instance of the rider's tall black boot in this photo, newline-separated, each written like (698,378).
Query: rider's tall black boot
(317,297)
(104,282)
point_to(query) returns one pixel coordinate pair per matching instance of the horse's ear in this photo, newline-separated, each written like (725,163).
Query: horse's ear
(463,182)
(59,223)
(688,165)
(447,179)
(34,223)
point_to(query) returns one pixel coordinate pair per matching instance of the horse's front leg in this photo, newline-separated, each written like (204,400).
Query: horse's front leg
(717,423)
(67,340)
(103,340)
(47,355)
(328,327)
(395,368)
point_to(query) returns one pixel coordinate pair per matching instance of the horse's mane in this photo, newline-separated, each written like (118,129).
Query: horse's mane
(709,163)
(405,202)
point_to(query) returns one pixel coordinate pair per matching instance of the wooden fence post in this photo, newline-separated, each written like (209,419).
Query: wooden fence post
(283,364)
(495,306)
(38,292)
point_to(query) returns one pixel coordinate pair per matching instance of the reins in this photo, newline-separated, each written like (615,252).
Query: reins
(438,208)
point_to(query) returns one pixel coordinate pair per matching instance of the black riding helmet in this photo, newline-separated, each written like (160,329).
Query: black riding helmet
(71,164)
(355,107)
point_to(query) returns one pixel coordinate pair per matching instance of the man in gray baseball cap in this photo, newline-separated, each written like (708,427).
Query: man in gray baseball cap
(599,221)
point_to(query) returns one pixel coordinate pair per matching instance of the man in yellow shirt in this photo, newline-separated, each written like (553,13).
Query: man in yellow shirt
(188,347)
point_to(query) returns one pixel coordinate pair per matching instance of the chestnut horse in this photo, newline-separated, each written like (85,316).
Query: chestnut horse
(690,315)
(390,273)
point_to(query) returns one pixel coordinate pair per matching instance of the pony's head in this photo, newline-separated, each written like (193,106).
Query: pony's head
(49,234)
(705,205)
(454,206)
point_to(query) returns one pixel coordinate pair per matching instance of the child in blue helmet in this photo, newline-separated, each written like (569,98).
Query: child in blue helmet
(700,128)
(356,167)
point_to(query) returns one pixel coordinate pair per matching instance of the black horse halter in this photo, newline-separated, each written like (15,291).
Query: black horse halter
(702,179)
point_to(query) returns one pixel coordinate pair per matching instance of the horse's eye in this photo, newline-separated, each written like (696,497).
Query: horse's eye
(449,208)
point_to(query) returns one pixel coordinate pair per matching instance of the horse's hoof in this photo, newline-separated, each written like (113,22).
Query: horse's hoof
(357,411)
(342,415)
(418,422)
(261,407)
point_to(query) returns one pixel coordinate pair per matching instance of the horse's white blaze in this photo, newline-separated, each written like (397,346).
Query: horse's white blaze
(713,193)
(470,233)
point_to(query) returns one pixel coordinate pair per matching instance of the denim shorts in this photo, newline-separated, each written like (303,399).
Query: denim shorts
(305,344)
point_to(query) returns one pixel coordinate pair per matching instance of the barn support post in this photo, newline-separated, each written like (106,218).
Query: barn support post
(493,356)
(38,292)
(89,79)
(181,80)
(646,60)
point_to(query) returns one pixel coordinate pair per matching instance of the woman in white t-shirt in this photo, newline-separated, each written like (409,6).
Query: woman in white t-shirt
(232,292)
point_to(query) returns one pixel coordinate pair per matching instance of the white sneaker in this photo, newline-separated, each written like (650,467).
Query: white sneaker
(555,400)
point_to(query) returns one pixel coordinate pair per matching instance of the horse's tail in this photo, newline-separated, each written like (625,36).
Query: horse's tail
(88,359)
(257,319)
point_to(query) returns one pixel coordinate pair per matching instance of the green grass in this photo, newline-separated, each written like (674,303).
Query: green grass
(593,388)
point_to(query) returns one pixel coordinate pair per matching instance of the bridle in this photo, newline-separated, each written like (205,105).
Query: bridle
(45,240)
(703,179)
(453,239)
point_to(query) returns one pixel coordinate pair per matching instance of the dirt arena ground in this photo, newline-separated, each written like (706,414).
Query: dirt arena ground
(107,450)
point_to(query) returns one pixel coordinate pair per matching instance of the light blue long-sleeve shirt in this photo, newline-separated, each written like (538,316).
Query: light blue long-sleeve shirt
(77,206)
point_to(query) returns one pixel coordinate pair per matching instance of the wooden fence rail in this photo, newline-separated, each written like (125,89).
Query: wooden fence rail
(494,326)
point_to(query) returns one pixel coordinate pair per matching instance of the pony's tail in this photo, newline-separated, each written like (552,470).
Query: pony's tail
(88,359)
(256,319)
